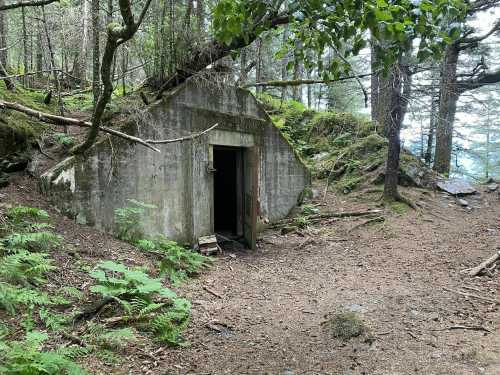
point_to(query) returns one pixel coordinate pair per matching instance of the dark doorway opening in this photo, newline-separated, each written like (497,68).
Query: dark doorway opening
(228,191)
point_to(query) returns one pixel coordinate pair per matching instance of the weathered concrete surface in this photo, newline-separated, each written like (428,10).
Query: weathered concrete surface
(178,180)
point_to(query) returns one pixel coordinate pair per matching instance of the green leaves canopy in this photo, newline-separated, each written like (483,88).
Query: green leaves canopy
(344,26)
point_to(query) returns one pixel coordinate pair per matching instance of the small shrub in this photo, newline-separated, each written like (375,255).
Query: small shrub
(64,139)
(301,222)
(309,209)
(346,325)
(128,220)
(26,358)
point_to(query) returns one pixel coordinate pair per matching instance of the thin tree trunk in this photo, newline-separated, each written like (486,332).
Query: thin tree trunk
(284,62)
(243,66)
(447,110)
(39,51)
(259,69)
(432,129)
(25,48)
(297,74)
(3,37)
(393,128)
(96,87)
(200,16)
(187,16)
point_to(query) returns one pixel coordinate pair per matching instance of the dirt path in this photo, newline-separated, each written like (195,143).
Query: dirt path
(273,302)
(263,312)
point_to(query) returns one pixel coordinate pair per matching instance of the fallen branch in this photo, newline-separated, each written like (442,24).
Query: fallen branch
(182,139)
(93,309)
(484,265)
(213,292)
(471,328)
(300,82)
(22,4)
(68,121)
(470,295)
(378,219)
(326,215)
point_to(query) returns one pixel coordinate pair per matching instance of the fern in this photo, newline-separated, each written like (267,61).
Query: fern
(21,214)
(144,300)
(12,297)
(27,358)
(25,268)
(128,220)
(177,262)
(53,321)
(38,241)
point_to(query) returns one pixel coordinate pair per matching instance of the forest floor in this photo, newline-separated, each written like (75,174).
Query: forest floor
(265,311)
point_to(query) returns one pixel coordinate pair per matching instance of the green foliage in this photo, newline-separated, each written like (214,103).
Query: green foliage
(24,215)
(64,139)
(144,300)
(175,261)
(53,321)
(12,297)
(302,222)
(128,220)
(117,280)
(38,241)
(344,25)
(26,358)
(25,268)
(309,209)
(346,325)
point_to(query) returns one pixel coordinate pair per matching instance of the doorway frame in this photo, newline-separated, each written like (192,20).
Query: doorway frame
(250,170)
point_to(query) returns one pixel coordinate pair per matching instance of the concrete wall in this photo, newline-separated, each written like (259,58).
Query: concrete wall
(177,180)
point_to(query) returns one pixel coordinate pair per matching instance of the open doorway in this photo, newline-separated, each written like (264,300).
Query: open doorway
(228,192)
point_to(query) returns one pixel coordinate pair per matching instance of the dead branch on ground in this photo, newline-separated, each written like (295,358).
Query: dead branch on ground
(470,295)
(325,216)
(486,265)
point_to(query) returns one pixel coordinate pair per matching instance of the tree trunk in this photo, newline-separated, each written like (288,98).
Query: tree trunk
(297,74)
(3,37)
(259,69)
(39,51)
(25,48)
(96,87)
(393,128)
(381,92)
(447,110)
(200,15)
(432,128)
(284,62)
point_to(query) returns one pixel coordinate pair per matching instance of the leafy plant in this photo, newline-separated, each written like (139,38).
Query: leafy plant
(37,241)
(309,209)
(26,358)
(176,261)
(12,297)
(21,214)
(128,220)
(144,300)
(25,268)
(64,139)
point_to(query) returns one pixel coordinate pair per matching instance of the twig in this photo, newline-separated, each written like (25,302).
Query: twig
(470,295)
(182,139)
(471,328)
(211,291)
(378,219)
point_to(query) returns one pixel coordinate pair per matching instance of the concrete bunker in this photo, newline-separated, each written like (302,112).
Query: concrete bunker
(226,181)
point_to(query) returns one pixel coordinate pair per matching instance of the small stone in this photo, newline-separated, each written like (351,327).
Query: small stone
(463,202)
(492,187)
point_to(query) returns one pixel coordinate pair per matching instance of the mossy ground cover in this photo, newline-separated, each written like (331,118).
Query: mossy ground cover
(341,147)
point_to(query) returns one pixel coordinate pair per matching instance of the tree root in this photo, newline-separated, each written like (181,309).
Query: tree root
(90,311)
